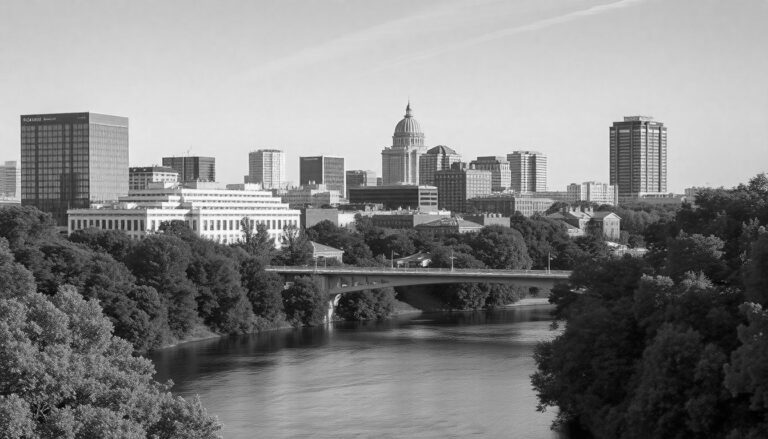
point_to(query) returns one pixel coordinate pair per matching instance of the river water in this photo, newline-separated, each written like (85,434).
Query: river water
(431,375)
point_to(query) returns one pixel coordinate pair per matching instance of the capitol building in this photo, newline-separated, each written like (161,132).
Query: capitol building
(400,162)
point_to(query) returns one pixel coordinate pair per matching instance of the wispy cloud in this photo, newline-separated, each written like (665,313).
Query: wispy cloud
(507,32)
(448,19)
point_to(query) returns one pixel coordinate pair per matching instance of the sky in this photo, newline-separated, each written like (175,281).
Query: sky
(485,77)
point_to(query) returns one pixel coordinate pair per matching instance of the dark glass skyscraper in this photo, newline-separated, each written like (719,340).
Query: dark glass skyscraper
(70,160)
(323,170)
(193,168)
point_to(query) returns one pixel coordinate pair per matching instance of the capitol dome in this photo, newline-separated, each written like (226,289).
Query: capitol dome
(408,125)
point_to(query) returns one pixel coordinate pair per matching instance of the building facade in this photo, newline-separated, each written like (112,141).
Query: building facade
(395,219)
(638,156)
(439,158)
(509,204)
(456,186)
(193,168)
(267,168)
(315,195)
(501,175)
(449,225)
(141,177)
(70,160)
(10,180)
(398,196)
(593,192)
(209,211)
(528,170)
(323,169)
(360,178)
(400,162)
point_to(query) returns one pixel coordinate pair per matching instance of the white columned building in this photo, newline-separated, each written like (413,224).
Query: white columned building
(400,162)
(209,210)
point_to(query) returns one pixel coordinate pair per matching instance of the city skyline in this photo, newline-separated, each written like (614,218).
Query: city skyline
(474,73)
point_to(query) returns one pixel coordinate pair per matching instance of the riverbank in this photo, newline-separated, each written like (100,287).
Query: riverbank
(529,301)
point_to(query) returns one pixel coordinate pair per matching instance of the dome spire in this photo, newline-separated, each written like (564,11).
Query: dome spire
(408,109)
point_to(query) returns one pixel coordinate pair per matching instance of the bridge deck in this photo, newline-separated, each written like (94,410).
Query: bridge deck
(437,272)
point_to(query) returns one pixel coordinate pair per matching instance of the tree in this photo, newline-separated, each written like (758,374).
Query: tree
(75,378)
(377,304)
(296,250)
(263,289)
(114,242)
(755,271)
(695,253)
(161,262)
(466,296)
(258,244)
(500,247)
(305,302)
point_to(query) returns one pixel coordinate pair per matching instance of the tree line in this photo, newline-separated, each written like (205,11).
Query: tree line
(672,344)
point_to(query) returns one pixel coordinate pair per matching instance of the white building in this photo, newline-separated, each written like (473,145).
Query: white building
(10,181)
(529,171)
(315,195)
(400,162)
(141,177)
(599,193)
(209,210)
(267,167)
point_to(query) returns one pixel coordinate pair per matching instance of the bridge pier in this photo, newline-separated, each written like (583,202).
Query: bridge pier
(332,303)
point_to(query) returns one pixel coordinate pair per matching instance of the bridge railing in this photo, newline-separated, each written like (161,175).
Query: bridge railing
(409,270)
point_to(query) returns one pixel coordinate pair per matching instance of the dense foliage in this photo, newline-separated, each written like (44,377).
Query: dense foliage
(64,373)
(169,286)
(673,344)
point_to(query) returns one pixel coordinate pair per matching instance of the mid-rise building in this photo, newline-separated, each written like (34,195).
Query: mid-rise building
(406,219)
(638,156)
(208,210)
(578,220)
(593,192)
(140,177)
(360,178)
(398,196)
(267,168)
(508,204)
(311,216)
(194,168)
(455,186)
(528,170)
(449,225)
(70,160)
(10,180)
(439,158)
(323,169)
(400,162)
(315,195)
(501,175)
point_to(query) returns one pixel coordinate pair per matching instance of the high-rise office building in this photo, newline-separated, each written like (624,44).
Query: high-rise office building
(140,177)
(10,180)
(638,156)
(501,175)
(400,162)
(323,169)
(267,168)
(439,158)
(70,160)
(193,168)
(360,178)
(459,184)
(529,171)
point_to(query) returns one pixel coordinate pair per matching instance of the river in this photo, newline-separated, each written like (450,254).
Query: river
(431,375)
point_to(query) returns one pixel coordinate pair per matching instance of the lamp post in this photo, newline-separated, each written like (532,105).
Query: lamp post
(549,260)
(452,258)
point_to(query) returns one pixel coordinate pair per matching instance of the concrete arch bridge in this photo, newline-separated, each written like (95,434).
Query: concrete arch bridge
(340,280)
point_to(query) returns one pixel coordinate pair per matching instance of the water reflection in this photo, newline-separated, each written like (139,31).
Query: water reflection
(428,375)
